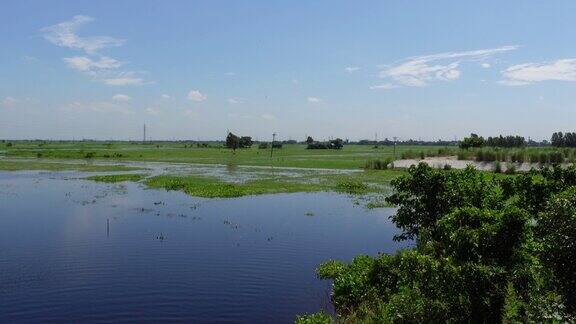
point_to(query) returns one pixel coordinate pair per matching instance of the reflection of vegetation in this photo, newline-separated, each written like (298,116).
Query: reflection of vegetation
(116,177)
(488,249)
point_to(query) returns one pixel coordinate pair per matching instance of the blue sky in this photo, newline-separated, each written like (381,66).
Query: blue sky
(194,69)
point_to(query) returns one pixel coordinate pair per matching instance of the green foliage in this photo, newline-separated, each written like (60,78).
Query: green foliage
(351,186)
(472,141)
(425,194)
(232,141)
(378,164)
(557,232)
(489,250)
(316,318)
(497,167)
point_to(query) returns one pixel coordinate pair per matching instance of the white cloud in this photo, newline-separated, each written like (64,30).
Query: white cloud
(64,35)
(86,64)
(485,65)
(121,97)
(268,117)
(314,100)
(523,74)
(165,96)
(234,101)
(102,68)
(384,86)
(9,102)
(351,69)
(122,81)
(196,95)
(152,111)
(419,71)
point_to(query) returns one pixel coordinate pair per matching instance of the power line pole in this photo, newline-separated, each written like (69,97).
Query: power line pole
(144,137)
(395,138)
(272,146)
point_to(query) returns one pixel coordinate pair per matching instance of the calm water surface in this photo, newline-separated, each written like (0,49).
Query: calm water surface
(75,251)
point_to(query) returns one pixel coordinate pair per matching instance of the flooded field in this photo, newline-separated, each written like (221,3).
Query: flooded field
(75,250)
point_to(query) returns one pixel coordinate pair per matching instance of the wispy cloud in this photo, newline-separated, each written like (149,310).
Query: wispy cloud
(528,73)
(101,68)
(121,97)
(234,101)
(384,86)
(314,100)
(124,79)
(196,95)
(351,69)
(421,70)
(65,34)
(86,64)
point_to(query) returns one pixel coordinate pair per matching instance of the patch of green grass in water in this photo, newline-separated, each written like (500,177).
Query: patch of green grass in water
(117,178)
(356,183)
(213,188)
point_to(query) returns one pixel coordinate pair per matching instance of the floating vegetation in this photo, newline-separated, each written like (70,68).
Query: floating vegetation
(113,178)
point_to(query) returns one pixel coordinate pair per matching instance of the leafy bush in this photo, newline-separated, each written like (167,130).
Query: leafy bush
(557,232)
(489,249)
(316,318)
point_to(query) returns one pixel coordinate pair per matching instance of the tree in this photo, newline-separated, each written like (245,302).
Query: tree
(336,144)
(472,141)
(245,141)
(557,232)
(309,140)
(232,141)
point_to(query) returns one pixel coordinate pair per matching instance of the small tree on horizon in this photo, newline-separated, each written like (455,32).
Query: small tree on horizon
(232,141)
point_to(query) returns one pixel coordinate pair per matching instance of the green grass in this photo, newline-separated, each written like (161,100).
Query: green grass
(293,155)
(49,166)
(117,177)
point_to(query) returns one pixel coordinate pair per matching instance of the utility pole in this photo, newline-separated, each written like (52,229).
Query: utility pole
(395,138)
(272,146)
(144,138)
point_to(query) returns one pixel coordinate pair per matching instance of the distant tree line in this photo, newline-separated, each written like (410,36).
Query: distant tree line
(560,139)
(499,141)
(506,141)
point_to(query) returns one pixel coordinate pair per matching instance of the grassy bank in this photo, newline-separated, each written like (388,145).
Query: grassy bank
(57,166)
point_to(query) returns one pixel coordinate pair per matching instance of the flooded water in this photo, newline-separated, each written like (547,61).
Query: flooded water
(73,250)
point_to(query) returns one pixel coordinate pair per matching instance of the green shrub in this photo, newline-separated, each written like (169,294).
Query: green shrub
(316,318)
(497,167)
(378,164)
